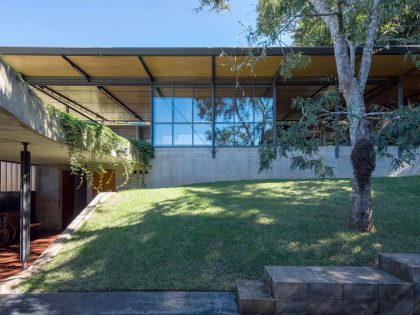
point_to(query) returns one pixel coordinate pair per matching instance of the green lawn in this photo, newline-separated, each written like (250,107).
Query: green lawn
(203,237)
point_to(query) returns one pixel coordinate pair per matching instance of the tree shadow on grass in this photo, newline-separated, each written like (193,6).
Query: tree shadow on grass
(210,235)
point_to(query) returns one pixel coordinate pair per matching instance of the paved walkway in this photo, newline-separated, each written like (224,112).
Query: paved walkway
(121,303)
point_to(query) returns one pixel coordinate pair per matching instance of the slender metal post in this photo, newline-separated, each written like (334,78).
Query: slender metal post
(25,204)
(213,106)
(337,124)
(400,96)
(274,111)
(152,102)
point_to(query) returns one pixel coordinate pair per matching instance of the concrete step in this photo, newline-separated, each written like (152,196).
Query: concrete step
(338,290)
(254,297)
(404,266)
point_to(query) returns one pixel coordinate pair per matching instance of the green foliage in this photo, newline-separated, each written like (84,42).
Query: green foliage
(143,152)
(299,141)
(91,146)
(401,128)
(215,5)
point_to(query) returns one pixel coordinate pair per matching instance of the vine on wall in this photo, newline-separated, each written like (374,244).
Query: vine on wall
(92,146)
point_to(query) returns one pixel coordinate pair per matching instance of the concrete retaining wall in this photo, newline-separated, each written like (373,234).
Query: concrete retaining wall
(182,166)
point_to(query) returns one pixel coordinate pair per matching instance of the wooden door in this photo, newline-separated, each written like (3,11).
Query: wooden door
(67,198)
(108,182)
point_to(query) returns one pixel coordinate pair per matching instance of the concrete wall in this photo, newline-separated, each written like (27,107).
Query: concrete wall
(126,131)
(181,166)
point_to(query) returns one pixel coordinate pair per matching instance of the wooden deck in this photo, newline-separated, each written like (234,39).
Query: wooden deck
(9,257)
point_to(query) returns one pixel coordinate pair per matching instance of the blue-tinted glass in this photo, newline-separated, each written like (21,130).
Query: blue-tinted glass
(202,134)
(243,109)
(225,109)
(225,134)
(263,109)
(182,134)
(163,109)
(263,132)
(244,134)
(183,109)
(163,134)
(203,111)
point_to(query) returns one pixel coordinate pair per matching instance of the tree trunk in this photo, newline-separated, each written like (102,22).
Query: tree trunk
(361,216)
(363,161)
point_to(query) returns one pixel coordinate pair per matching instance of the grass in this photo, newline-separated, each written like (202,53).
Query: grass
(203,237)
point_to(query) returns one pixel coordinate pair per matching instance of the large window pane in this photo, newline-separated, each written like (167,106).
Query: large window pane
(202,106)
(263,105)
(225,134)
(182,134)
(225,102)
(244,110)
(202,134)
(163,109)
(163,105)
(183,105)
(244,134)
(263,133)
(163,134)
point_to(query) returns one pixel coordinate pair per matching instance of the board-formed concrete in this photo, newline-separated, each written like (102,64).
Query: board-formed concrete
(182,166)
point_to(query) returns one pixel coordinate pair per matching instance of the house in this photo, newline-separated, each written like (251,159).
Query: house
(205,110)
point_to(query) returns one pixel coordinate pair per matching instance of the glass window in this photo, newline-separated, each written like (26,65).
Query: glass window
(163,134)
(183,115)
(182,134)
(225,134)
(183,105)
(202,134)
(244,111)
(163,109)
(202,106)
(263,132)
(244,134)
(225,104)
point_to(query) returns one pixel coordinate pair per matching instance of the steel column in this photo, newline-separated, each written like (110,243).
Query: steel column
(337,124)
(152,123)
(213,106)
(400,96)
(274,112)
(25,204)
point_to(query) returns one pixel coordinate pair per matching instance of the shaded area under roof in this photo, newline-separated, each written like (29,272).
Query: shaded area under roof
(114,83)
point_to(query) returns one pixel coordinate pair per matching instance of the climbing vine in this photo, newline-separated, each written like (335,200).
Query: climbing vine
(92,146)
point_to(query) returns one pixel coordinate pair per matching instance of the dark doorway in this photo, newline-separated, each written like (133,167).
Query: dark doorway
(74,197)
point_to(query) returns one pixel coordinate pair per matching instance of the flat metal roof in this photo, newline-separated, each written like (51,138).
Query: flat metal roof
(189,51)
(114,83)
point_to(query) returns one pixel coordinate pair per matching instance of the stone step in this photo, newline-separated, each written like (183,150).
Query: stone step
(404,266)
(338,290)
(254,297)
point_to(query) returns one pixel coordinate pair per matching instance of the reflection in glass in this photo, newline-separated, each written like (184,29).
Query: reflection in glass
(225,134)
(263,133)
(244,134)
(202,134)
(263,109)
(244,116)
(182,134)
(163,134)
(202,108)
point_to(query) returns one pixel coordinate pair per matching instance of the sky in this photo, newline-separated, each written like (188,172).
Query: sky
(122,23)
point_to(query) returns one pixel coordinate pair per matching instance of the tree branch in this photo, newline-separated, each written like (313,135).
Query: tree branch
(369,42)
